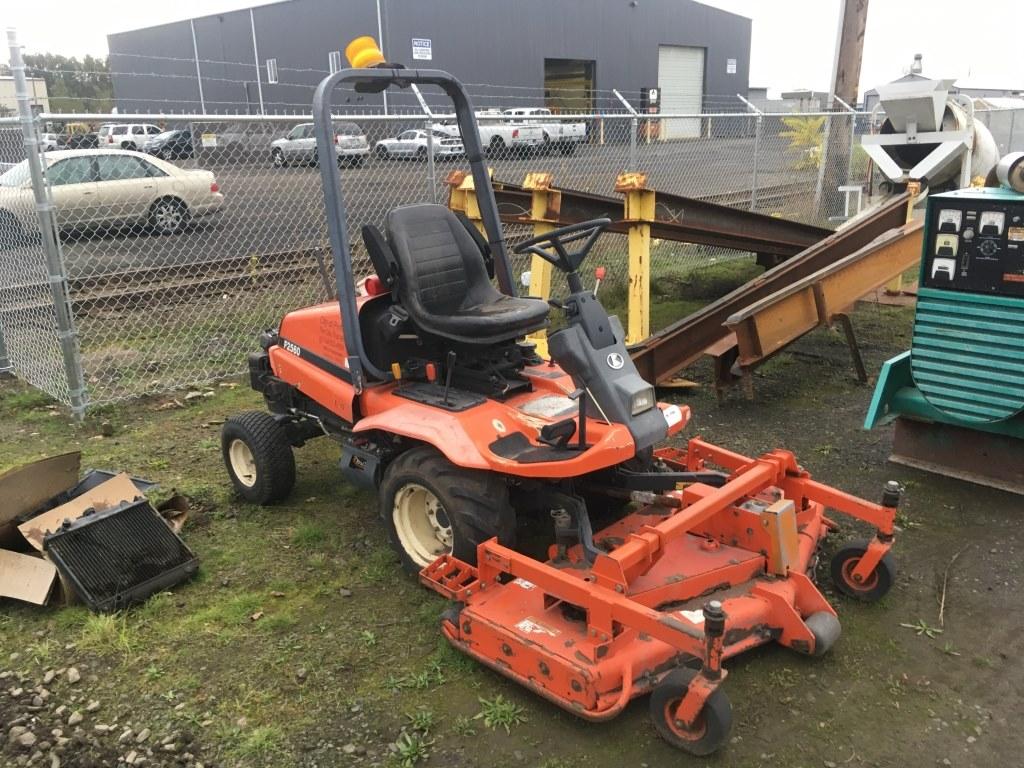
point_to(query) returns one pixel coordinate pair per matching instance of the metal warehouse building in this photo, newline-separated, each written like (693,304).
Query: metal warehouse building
(266,58)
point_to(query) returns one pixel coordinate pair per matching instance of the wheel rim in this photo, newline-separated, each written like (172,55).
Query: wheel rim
(686,734)
(863,586)
(278,159)
(168,217)
(243,463)
(422,524)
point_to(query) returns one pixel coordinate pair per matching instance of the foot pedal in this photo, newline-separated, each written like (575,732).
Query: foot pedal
(450,577)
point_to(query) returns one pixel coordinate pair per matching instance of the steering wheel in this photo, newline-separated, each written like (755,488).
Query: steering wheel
(585,232)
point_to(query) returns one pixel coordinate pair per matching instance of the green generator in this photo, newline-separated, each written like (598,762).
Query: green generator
(957,396)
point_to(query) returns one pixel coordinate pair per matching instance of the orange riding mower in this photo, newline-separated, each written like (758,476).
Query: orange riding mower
(423,376)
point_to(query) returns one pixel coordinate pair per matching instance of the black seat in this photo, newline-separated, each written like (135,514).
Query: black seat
(443,281)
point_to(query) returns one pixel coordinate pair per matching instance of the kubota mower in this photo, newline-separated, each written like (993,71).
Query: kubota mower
(422,376)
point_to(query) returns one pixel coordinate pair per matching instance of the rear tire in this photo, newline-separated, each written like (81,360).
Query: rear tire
(496,146)
(421,154)
(258,457)
(431,507)
(168,215)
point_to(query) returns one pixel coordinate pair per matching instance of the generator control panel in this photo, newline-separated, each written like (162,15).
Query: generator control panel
(975,242)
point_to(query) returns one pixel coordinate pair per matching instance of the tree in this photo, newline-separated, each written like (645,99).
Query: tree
(73,85)
(806,137)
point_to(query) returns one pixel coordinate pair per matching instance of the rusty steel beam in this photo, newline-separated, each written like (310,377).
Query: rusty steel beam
(683,342)
(677,218)
(766,326)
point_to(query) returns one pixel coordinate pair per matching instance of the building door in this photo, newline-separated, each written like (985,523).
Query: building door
(681,80)
(569,85)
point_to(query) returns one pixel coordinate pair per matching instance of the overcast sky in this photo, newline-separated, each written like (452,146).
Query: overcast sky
(793,40)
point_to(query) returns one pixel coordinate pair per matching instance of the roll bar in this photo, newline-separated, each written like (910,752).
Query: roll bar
(376,80)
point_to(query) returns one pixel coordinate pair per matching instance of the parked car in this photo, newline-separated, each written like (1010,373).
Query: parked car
(415,144)
(49,142)
(108,186)
(558,134)
(299,146)
(497,133)
(126,135)
(171,145)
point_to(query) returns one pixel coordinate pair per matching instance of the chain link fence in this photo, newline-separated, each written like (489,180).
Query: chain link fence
(149,261)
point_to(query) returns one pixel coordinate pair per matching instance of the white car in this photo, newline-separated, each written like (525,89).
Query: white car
(299,146)
(48,142)
(126,135)
(415,144)
(92,187)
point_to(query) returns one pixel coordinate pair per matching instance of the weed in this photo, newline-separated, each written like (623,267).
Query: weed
(463,726)
(153,673)
(500,712)
(921,627)
(422,720)
(369,638)
(411,748)
(107,633)
(949,650)
(984,662)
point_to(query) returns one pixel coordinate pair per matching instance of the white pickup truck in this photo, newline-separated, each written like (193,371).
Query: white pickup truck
(498,133)
(558,134)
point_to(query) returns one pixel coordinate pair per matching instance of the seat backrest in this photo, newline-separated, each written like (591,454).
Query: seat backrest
(441,267)
(383,259)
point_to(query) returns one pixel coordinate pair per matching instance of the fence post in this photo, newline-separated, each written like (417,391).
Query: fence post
(48,229)
(639,212)
(757,150)
(6,369)
(431,178)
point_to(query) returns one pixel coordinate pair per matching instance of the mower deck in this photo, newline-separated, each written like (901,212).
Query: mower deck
(673,586)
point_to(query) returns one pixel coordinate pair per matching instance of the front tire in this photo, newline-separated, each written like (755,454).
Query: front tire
(431,508)
(258,457)
(277,157)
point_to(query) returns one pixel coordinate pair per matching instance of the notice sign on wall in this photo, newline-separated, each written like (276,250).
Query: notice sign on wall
(422,49)
(730,66)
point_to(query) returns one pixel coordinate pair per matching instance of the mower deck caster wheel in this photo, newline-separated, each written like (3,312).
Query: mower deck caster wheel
(258,457)
(872,589)
(713,723)
(826,630)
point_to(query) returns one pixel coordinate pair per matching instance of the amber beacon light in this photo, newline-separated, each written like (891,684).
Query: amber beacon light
(363,52)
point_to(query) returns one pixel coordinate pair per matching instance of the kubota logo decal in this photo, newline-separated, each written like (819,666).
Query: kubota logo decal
(615,360)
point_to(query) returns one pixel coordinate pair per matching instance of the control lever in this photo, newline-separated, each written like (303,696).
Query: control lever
(581,395)
(449,370)
(599,274)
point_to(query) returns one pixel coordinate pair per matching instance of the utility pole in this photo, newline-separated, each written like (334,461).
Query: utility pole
(853,15)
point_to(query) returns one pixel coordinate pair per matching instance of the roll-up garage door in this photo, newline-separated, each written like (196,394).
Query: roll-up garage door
(681,79)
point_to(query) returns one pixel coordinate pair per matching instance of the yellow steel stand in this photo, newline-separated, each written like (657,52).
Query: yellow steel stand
(462,196)
(639,213)
(895,286)
(545,206)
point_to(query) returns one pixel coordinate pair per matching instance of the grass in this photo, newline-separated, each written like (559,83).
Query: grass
(108,633)
(412,748)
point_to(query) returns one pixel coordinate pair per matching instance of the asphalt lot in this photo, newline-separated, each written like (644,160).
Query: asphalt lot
(269,209)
